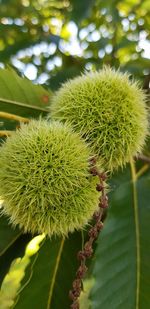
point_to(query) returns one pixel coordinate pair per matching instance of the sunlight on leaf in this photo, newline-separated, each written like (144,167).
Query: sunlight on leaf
(1,203)
(12,281)
(84,297)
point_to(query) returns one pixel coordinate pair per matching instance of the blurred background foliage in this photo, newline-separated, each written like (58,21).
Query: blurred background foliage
(51,41)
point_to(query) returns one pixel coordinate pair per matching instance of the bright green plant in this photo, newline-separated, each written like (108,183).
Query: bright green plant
(48,185)
(109,110)
(47,188)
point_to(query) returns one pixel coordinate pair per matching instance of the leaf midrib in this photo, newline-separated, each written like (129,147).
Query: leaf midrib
(137,231)
(10,244)
(51,289)
(23,104)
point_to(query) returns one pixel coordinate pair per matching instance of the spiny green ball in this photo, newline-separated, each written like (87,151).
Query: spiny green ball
(109,110)
(45,180)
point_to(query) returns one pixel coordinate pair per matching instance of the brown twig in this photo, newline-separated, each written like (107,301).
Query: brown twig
(13,117)
(93,234)
(143,158)
(5,133)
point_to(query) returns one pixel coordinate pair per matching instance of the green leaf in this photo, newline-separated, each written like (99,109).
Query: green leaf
(21,97)
(81,9)
(122,270)
(15,250)
(62,76)
(146,5)
(50,280)
(12,244)
(125,43)
(7,235)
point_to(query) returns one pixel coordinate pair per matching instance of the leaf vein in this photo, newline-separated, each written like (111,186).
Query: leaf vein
(55,273)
